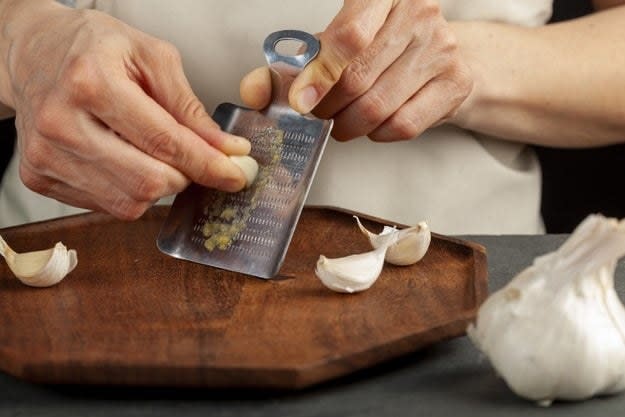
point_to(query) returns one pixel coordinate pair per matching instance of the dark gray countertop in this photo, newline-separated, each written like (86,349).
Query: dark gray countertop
(450,378)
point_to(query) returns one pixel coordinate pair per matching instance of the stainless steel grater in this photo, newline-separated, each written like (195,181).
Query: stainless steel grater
(250,231)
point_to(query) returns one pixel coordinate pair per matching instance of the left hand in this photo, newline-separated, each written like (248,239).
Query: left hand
(388,69)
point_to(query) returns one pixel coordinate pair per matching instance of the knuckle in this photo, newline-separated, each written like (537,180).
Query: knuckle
(431,7)
(149,188)
(192,107)
(355,79)
(36,156)
(161,144)
(48,120)
(403,127)
(354,36)
(168,52)
(448,41)
(51,122)
(34,181)
(82,80)
(126,208)
(423,9)
(373,108)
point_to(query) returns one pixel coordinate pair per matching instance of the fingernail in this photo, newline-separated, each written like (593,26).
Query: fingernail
(242,143)
(307,99)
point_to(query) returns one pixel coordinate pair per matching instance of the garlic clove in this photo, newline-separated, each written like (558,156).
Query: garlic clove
(42,268)
(248,165)
(411,245)
(353,273)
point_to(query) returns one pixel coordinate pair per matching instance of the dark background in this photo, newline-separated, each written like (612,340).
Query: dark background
(7,142)
(575,182)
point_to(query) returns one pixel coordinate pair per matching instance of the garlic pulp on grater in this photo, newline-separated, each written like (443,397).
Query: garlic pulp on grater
(557,330)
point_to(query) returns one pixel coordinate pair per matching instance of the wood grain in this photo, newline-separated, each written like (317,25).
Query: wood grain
(131,315)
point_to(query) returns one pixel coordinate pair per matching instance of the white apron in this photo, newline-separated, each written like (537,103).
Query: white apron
(457,181)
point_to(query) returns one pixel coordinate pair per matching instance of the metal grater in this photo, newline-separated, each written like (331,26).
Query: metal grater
(250,231)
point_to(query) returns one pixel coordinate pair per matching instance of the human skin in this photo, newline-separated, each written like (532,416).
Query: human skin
(105,116)
(397,68)
(100,127)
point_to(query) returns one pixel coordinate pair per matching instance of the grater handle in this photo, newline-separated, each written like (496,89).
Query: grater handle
(284,68)
(298,61)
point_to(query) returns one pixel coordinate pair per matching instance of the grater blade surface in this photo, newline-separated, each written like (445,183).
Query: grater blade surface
(250,231)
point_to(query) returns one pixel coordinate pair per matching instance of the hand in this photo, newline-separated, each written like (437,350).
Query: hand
(388,69)
(106,118)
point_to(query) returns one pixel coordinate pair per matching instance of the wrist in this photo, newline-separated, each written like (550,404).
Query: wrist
(17,19)
(465,31)
(485,48)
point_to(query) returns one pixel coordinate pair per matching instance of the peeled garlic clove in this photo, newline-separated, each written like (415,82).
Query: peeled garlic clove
(557,330)
(42,268)
(353,273)
(411,245)
(248,165)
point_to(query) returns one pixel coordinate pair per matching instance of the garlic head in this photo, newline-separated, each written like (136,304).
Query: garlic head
(411,245)
(557,329)
(42,268)
(353,273)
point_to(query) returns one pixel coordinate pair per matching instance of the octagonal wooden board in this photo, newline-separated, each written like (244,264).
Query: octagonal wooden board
(130,315)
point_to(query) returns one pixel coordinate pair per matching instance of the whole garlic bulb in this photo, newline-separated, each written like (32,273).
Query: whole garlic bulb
(557,330)
(411,245)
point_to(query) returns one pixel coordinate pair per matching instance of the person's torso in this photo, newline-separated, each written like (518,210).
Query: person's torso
(458,182)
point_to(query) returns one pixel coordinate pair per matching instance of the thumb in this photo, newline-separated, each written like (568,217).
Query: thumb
(255,88)
(346,37)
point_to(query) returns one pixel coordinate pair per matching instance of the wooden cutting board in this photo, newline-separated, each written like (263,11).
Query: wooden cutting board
(131,315)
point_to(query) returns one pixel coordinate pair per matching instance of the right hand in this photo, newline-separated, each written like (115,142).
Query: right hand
(387,69)
(105,116)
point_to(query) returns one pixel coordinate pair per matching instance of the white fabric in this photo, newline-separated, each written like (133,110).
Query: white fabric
(457,181)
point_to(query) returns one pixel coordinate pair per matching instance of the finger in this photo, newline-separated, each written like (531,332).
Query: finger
(366,68)
(348,35)
(168,85)
(386,96)
(91,189)
(60,145)
(114,203)
(255,88)
(55,189)
(143,122)
(429,106)
(137,174)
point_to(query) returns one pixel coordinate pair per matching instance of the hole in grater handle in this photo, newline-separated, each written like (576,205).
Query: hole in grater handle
(290,47)
(299,60)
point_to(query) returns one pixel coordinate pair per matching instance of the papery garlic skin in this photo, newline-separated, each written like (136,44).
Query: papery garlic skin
(61,263)
(353,273)
(557,330)
(42,268)
(411,246)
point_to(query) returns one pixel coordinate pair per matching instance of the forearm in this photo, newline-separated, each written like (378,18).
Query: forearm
(560,85)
